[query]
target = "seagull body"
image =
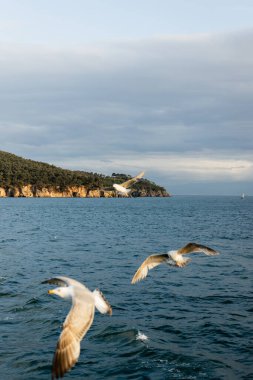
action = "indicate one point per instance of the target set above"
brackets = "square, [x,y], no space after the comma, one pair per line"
[77,322]
[172,258]
[123,188]
[120,189]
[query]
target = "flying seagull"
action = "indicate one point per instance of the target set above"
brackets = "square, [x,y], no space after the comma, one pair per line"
[173,258]
[77,322]
[123,188]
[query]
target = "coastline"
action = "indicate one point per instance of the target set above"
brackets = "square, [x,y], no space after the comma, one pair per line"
[33,191]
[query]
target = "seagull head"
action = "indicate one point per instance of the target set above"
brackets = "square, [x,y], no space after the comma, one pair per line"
[63,292]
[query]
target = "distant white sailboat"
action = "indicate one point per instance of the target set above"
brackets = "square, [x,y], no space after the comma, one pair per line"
[242,196]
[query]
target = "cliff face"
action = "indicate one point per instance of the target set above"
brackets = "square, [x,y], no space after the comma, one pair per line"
[2,192]
[30,191]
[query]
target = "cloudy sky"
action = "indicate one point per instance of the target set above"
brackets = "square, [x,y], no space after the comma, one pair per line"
[164,86]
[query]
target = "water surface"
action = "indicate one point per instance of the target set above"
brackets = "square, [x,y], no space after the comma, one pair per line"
[198,319]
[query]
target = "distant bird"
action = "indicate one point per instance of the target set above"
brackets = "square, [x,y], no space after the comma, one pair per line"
[123,188]
[77,322]
[173,258]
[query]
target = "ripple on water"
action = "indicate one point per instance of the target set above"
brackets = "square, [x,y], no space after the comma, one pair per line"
[198,320]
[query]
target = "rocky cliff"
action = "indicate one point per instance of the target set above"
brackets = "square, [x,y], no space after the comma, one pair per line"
[30,191]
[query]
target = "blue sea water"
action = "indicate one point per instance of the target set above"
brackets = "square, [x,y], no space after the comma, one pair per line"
[198,319]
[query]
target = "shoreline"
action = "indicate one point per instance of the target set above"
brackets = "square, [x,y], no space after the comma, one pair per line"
[32,191]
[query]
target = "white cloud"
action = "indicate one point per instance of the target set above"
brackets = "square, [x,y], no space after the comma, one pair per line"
[172,166]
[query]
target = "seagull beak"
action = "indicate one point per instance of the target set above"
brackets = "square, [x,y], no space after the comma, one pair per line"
[51,291]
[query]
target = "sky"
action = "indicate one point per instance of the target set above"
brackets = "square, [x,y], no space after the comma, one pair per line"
[164,86]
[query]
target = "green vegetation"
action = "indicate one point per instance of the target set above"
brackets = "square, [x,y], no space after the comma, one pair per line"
[17,171]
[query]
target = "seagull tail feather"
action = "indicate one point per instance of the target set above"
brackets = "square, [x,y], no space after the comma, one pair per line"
[101,302]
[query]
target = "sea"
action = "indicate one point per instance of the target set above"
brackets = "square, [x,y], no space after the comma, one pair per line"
[179,323]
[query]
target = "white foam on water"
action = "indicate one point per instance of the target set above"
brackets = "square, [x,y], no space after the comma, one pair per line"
[141,336]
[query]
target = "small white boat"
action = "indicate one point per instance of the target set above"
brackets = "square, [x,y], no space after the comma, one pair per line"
[242,196]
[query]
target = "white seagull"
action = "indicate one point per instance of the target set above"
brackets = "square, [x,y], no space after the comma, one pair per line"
[173,258]
[123,188]
[77,322]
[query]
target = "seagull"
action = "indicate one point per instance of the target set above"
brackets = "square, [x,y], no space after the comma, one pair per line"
[123,187]
[77,322]
[173,258]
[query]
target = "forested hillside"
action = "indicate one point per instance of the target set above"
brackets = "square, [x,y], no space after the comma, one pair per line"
[17,171]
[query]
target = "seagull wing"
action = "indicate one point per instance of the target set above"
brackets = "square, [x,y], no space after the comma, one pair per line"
[65,281]
[194,247]
[56,281]
[150,263]
[76,325]
[132,180]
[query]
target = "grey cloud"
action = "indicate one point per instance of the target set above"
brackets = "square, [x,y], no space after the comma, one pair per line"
[188,94]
